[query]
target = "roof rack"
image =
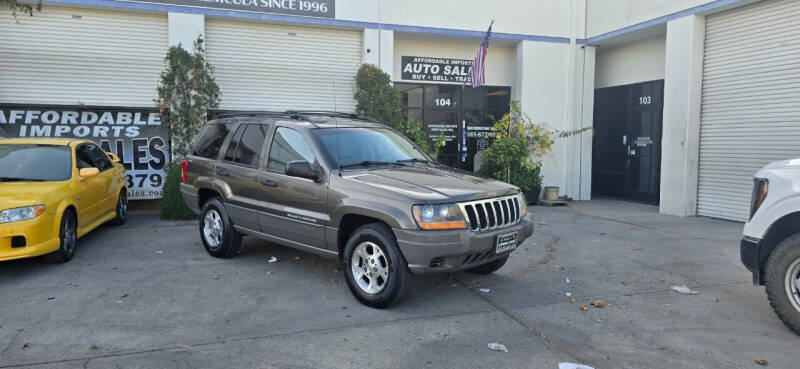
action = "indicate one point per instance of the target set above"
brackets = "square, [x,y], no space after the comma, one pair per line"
[247,113]
[305,113]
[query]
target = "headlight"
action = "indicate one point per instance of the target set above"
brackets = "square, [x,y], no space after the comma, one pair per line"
[20,214]
[523,205]
[446,216]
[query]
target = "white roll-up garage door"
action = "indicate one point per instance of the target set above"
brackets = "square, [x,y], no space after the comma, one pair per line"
[261,66]
[82,56]
[751,102]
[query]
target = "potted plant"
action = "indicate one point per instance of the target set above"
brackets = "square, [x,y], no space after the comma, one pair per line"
[516,154]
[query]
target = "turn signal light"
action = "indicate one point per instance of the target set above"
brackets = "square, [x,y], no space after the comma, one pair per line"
[760,188]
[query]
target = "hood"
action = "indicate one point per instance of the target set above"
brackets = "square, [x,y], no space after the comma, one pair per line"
[17,194]
[434,183]
[783,164]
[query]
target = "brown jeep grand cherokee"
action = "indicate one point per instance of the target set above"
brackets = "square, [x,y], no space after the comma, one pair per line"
[346,187]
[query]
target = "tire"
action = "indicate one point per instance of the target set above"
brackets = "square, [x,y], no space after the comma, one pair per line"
[781,280]
[219,237]
[121,210]
[68,235]
[374,246]
[489,267]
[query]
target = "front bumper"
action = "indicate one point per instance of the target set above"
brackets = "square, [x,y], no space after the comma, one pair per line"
[750,252]
[442,251]
[40,237]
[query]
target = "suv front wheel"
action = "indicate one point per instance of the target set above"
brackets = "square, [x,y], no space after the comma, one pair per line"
[782,280]
[219,237]
[375,270]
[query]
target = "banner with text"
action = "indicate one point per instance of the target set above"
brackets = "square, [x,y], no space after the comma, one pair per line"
[308,8]
[418,68]
[136,135]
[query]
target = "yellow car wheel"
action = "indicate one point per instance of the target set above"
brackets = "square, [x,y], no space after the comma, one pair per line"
[122,209]
[68,234]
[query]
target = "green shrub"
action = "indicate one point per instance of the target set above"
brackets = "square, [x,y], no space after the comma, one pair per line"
[527,177]
[172,206]
[377,98]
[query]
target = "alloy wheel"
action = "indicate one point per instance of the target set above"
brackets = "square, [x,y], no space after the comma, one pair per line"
[68,234]
[370,268]
[212,228]
[122,205]
[792,283]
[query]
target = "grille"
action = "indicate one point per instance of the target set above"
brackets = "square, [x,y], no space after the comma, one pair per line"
[492,213]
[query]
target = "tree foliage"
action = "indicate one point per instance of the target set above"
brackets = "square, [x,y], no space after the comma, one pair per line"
[18,6]
[186,92]
[377,98]
[172,205]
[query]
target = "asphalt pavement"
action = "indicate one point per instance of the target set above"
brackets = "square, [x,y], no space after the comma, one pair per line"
[147,295]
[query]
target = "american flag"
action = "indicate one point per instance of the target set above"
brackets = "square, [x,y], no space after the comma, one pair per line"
[476,74]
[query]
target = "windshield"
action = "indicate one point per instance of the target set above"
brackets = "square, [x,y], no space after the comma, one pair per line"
[366,145]
[34,163]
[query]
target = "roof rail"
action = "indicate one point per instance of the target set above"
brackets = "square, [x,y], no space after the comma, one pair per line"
[303,114]
[246,113]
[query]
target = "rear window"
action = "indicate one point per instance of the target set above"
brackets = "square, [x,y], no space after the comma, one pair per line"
[209,143]
[34,163]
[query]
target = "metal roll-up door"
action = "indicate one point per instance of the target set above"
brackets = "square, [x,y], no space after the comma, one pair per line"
[261,66]
[82,56]
[751,102]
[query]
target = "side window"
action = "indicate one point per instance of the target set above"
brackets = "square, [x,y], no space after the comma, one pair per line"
[234,144]
[249,150]
[83,159]
[288,145]
[209,143]
[89,155]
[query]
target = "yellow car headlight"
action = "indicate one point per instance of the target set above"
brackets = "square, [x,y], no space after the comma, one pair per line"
[20,214]
[444,216]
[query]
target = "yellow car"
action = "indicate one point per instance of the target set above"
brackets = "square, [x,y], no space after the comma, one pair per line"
[53,191]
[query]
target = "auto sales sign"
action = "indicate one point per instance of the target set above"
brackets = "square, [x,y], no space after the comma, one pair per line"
[136,135]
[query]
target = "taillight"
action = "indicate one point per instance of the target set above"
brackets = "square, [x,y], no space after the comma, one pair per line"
[184,166]
[760,188]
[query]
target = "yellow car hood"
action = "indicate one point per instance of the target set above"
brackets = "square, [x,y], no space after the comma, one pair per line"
[16,194]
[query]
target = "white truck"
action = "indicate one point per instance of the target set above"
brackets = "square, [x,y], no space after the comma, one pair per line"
[770,247]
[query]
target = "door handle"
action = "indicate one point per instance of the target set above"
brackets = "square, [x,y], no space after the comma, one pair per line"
[269,182]
[223,172]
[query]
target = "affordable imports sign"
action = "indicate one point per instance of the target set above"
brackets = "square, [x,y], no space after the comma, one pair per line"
[136,135]
[420,68]
[308,8]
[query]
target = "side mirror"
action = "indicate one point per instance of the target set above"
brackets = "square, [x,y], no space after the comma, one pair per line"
[85,173]
[113,157]
[302,169]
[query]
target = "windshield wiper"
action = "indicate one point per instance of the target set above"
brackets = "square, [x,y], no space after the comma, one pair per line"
[413,160]
[17,179]
[367,163]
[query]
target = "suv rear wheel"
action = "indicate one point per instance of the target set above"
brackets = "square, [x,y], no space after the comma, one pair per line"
[783,281]
[375,270]
[219,237]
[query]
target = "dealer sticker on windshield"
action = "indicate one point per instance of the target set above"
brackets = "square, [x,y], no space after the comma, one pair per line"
[506,242]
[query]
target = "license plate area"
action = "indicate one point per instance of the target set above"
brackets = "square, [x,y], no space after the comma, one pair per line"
[505,242]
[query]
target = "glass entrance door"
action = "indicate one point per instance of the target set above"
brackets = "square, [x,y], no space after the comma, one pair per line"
[463,114]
